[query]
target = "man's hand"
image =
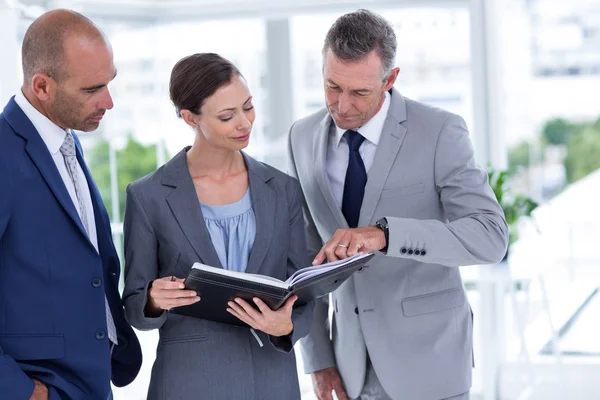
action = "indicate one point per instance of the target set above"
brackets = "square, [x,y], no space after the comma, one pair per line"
[40,391]
[326,381]
[167,293]
[347,242]
[275,323]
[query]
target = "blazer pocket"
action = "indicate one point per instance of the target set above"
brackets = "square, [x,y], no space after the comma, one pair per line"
[33,347]
[432,302]
[184,339]
[402,191]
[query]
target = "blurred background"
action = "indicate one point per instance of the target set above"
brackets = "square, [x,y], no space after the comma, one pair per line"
[525,75]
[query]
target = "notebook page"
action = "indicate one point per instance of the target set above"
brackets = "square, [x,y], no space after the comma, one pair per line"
[309,272]
[263,279]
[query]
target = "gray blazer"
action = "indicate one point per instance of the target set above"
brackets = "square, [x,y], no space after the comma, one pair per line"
[164,235]
[409,309]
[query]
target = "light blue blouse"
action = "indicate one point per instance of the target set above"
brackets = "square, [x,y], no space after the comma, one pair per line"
[232,228]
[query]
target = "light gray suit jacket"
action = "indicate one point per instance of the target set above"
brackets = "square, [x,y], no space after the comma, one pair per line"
[409,309]
[165,234]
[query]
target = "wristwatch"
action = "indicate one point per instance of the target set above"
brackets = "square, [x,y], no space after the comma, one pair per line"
[382,224]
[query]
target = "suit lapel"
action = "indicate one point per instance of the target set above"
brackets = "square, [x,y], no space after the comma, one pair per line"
[41,157]
[321,143]
[103,232]
[392,136]
[264,202]
[185,207]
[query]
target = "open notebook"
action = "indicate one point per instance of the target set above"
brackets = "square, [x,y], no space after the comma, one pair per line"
[217,286]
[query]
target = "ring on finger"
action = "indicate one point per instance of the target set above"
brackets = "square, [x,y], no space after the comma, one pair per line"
[343,245]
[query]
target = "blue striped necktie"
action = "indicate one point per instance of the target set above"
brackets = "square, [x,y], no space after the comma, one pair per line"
[70,155]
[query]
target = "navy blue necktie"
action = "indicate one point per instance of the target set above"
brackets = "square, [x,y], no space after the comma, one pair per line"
[356,179]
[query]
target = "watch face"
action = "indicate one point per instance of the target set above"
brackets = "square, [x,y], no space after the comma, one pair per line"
[382,223]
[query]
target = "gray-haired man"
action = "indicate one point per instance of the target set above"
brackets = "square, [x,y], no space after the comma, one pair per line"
[382,172]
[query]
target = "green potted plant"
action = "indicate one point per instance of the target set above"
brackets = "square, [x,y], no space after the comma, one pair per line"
[515,206]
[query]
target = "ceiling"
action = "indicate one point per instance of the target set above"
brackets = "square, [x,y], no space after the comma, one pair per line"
[178,10]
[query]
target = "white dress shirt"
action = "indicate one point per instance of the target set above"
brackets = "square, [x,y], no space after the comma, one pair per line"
[338,152]
[54,136]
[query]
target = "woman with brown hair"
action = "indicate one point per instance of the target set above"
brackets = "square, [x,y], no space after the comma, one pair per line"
[214,204]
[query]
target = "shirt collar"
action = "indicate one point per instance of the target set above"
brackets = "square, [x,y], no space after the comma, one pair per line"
[52,134]
[371,131]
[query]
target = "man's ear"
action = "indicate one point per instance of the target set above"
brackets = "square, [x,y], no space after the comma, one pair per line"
[42,86]
[391,79]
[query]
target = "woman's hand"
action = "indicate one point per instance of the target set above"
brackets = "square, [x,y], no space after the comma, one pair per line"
[274,323]
[167,293]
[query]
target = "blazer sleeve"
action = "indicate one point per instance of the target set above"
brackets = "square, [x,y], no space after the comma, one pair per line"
[14,383]
[141,264]
[302,316]
[316,347]
[475,231]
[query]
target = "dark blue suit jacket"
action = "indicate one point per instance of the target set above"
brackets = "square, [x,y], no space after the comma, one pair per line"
[52,280]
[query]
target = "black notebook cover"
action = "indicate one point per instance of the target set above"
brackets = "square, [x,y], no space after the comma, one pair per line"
[215,290]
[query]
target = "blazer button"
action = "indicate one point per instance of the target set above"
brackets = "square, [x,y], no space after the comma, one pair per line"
[410,252]
[100,335]
[423,252]
[403,250]
[356,310]
[417,252]
[97,282]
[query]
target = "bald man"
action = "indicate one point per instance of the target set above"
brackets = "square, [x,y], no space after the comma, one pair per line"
[63,334]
